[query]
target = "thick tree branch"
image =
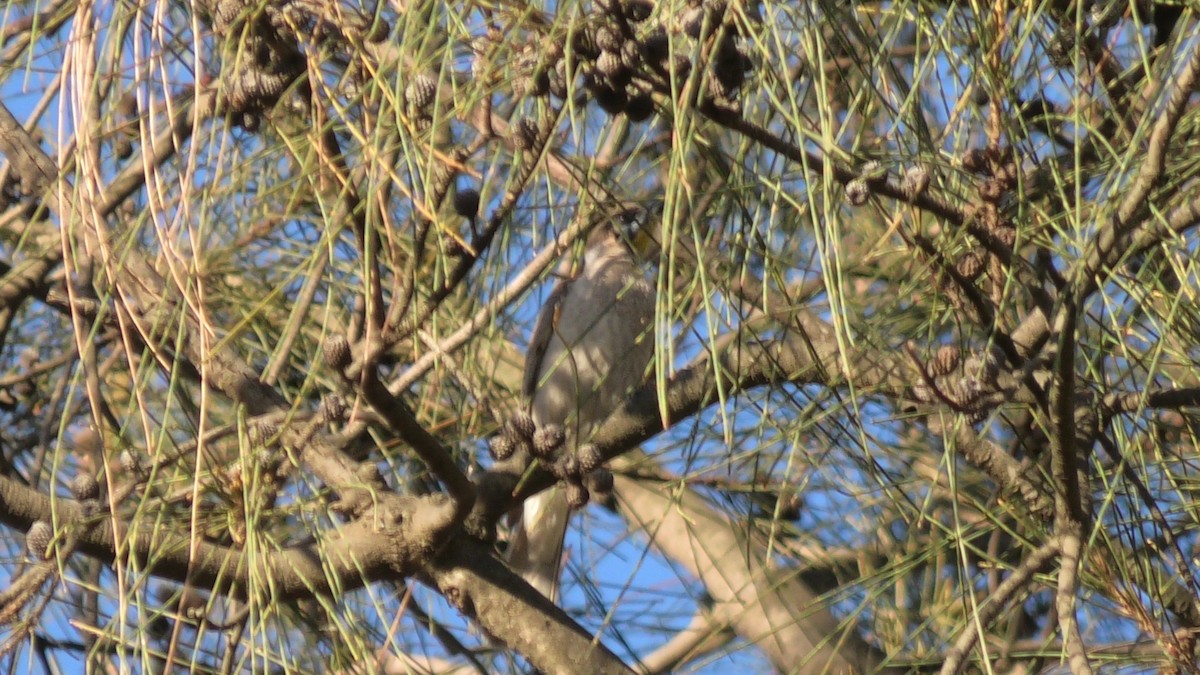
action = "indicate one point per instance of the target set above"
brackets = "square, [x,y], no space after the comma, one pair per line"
[772,608]
[472,579]
[398,540]
[356,554]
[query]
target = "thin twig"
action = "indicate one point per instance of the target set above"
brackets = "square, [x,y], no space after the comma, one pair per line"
[519,284]
[704,634]
[1004,594]
[436,456]
[1107,244]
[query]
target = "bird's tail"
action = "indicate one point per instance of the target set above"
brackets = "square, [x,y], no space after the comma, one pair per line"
[536,547]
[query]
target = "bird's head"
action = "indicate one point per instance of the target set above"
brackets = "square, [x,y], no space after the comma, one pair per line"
[631,228]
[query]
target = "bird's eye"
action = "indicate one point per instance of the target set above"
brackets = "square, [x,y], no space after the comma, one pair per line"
[630,222]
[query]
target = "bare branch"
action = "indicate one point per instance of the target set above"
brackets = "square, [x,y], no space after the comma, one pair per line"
[436,456]
[704,634]
[1003,595]
[357,554]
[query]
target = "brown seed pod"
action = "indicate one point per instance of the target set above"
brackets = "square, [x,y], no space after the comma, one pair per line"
[609,64]
[640,107]
[1035,109]
[577,495]
[987,214]
[944,360]
[970,266]
[369,473]
[916,181]
[715,9]
[746,59]
[609,39]
[590,458]
[601,482]
[680,66]
[480,63]
[975,161]
[334,408]
[127,105]
[123,148]
[466,202]
[714,87]
[608,6]
[526,134]
[583,42]
[378,31]
[521,427]
[922,393]
[987,365]
[250,121]
[261,433]
[873,172]
[538,83]
[656,45]
[609,98]
[857,192]
[693,22]
[502,446]
[558,81]
[638,11]
[1060,48]
[87,441]
[548,439]
[1006,234]
[728,66]
[728,106]
[38,538]
[631,55]
[567,467]
[421,92]
[732,74]
[790,505]
[991,191]
[131,463]
[84,486]
[1008,173]
[336,350]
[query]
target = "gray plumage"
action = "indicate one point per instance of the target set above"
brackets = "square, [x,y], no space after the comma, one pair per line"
[591,345]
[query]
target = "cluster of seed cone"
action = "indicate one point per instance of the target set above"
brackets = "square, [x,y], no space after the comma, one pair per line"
[622,53]
[579,471]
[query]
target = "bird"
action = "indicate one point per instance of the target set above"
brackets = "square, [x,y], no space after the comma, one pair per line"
[591,345]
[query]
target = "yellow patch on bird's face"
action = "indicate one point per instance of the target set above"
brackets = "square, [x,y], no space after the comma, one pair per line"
[638,228]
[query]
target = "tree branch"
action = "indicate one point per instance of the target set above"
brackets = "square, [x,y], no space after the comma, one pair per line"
[358,553]
[997,601]
[436,456]
[774,609]
[473,580]
[704,634]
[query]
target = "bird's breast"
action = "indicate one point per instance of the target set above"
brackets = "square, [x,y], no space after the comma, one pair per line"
[601,347]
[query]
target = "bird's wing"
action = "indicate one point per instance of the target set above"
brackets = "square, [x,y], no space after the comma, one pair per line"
[543,330]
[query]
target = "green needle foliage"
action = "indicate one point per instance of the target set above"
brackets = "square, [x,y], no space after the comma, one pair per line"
[925,385]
